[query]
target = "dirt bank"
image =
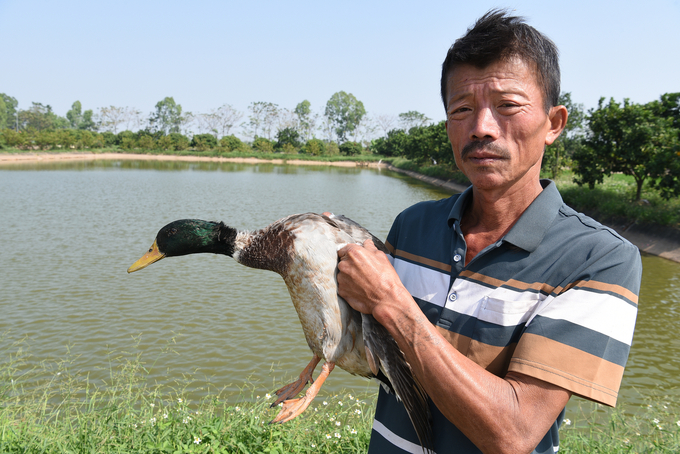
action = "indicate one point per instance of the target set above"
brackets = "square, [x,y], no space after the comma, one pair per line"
[57,157]
[660,241]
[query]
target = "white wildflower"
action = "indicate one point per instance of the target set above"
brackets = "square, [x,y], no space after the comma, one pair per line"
[337,435]
[197,440]
[328,436]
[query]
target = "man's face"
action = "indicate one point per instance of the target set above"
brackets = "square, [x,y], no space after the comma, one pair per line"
[497,124]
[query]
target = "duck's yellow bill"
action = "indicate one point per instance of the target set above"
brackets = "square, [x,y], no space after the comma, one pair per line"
[147,259]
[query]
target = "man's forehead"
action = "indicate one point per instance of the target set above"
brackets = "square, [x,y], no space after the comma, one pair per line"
[502,75]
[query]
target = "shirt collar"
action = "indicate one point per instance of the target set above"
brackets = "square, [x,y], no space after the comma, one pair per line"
[532,225]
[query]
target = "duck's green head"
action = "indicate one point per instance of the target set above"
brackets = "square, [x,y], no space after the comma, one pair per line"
[188,236]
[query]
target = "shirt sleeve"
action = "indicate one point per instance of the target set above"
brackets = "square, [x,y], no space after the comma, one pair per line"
[579,337]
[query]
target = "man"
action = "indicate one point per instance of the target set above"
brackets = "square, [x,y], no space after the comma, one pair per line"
[504,300]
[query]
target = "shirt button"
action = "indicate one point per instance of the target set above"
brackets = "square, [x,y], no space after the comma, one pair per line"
[457,257]
[453,296]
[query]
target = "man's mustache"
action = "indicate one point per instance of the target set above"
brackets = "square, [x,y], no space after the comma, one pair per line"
[487,147]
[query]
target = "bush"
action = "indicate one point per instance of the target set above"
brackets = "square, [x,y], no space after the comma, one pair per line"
[351,149]
[110,139]
[263,145]
[288,136]
[203,142]
[179,141]
[230,143]
[315,147]
[146,142]
[13,138]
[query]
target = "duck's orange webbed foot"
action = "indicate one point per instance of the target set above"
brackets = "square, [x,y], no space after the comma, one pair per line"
[293,389]
[294,407]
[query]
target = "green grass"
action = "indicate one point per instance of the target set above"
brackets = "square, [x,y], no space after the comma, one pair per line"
[613,201]
[47,408]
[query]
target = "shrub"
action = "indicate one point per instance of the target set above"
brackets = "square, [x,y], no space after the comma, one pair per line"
[146,142]
[110,139]
[263,145]
[288,136]
[13,138]
[230,143]
[179,141]
[203,142]
[315,147]
[351,149]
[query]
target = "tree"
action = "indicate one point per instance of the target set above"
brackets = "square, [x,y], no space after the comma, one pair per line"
[168,117]
[306,120]
[228,117]
[569,141]
[262,118]
[3,114]
[10,110]
[75,114]
[112,117]
[40,117]
[344,113]
[412,119]
[288,138]
[386,122]
[630,139]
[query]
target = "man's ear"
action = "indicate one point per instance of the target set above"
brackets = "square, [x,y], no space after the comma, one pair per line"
[558,121]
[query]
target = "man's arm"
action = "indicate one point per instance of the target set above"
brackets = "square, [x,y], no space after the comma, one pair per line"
[510,414]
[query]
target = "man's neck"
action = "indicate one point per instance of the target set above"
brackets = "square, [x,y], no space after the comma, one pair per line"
[492,214]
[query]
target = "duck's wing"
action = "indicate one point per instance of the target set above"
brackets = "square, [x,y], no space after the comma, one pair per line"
[384,355]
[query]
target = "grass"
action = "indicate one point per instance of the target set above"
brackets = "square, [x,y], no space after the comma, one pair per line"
[50,409]
[613,201]
[654,428]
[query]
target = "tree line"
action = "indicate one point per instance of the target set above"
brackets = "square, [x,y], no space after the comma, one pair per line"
[640,140]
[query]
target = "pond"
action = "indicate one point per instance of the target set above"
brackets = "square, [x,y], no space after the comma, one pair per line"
[70,230]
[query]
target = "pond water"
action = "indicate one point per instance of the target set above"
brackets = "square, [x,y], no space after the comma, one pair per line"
[68,232]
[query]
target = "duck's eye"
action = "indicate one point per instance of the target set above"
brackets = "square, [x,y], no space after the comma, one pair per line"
[173,231]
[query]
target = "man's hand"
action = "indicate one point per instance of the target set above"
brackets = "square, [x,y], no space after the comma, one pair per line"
[366,278]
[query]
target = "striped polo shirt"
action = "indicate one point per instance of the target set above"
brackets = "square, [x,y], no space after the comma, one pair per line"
[555,299]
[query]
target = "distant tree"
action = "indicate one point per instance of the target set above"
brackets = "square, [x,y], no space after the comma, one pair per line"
[288,136]
[386,122]
[263,144]
[203,142]
[262,118]
[75,115]
[10,110]
[315,147]
[429,144]
[350,148]
[344,113]
[110,118]
[40,117]
[179,141]
[569,141]
[392,145]
[168,117]
[306,120]
[412,119]
[230,143]
[228,117]
[630,139]
[3,114]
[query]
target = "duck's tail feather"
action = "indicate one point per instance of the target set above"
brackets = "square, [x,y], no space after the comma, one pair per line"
[389,358]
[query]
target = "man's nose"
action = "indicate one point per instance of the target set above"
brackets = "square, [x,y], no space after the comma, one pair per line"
[484,125]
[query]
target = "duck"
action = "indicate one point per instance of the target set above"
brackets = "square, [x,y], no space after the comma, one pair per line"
[302,249]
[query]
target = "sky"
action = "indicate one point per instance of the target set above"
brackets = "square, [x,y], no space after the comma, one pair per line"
[207,53]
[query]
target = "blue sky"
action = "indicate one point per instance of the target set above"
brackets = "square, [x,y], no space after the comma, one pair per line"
[208,53]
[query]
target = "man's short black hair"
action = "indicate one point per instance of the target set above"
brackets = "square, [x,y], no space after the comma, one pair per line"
[498,36]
